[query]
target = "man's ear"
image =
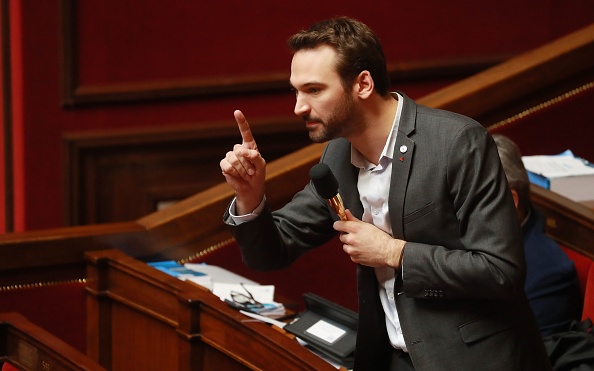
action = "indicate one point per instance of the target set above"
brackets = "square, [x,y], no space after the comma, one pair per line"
[364,85]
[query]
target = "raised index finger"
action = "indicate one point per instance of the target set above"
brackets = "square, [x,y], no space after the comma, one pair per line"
[244,129]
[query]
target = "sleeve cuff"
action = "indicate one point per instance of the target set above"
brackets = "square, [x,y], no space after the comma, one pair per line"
[239,219]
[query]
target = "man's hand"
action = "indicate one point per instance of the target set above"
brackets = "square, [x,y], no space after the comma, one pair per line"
[368,245]
[244,169]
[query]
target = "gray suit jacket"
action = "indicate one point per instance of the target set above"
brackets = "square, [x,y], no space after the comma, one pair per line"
[462,305]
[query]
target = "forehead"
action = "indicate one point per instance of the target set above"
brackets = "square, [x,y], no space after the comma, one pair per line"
[314,65]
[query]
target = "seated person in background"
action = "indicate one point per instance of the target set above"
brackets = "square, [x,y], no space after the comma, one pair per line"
[551,282]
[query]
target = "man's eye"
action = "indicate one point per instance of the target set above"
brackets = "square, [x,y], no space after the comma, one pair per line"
[314,90]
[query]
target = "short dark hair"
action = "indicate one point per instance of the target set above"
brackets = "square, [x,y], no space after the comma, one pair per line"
[358,49]
[515,172]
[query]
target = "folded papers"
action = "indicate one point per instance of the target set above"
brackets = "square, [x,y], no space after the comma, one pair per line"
[222,283]
[565,174]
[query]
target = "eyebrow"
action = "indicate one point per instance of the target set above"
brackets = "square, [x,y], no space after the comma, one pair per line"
[308,84]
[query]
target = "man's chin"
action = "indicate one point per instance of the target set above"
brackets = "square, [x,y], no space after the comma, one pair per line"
[317,137]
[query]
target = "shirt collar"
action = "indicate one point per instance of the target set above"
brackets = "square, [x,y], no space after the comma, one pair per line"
[357,158]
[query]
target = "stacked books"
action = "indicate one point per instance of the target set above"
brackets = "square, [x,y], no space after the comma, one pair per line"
[565,174]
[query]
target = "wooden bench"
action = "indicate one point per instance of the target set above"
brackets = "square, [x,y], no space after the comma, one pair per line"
[585,273]
[572,225]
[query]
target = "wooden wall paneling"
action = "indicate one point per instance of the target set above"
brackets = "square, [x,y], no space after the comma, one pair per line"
[75,93]
[105,81]
[68,61]
[119,176]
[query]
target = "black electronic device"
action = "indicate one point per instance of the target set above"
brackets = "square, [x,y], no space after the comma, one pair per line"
[328,328]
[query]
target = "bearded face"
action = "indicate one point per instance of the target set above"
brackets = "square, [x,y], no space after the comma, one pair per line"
[341,121]
[322,101]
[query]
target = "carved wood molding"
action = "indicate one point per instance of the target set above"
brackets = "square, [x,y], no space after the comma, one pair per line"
[122,175]
[74,94]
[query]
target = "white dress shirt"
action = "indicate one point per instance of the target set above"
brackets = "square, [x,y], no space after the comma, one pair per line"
[374,187]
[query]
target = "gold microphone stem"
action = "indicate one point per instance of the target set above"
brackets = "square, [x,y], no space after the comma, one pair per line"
[336,203]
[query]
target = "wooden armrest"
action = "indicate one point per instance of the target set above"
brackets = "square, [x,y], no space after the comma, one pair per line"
[29,347]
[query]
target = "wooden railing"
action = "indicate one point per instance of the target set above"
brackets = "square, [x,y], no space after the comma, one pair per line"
[26,346]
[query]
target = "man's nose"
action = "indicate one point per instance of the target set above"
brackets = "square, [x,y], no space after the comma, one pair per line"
[301,106]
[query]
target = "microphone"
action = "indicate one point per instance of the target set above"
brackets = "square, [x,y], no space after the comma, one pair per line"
[326,185]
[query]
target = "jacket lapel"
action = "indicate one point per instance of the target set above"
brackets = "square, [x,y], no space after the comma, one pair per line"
[349,190]
[401,164]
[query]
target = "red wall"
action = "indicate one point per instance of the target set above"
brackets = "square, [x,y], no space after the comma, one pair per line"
[125,43]
[2,142]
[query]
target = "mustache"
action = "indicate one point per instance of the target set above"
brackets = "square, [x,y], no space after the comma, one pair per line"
[309,118]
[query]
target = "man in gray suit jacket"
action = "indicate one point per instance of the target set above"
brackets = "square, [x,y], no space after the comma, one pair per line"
[430,222]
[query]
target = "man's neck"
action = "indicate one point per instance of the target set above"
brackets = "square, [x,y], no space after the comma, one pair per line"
[379,117]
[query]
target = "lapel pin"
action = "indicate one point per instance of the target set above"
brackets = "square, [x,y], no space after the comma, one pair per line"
[403,149]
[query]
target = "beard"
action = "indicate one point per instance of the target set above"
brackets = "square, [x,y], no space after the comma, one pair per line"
[343,121]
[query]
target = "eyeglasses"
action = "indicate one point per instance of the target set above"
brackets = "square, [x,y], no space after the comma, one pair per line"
[246,301]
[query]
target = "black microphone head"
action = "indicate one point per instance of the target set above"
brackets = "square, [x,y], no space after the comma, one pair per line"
[324,181]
